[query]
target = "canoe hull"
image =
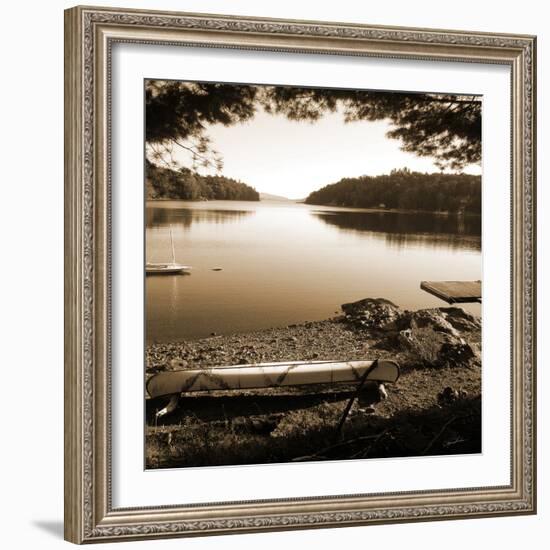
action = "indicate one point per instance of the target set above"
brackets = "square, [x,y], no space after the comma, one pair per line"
[269,375]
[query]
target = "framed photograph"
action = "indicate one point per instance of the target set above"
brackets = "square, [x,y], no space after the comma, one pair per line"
[300,274]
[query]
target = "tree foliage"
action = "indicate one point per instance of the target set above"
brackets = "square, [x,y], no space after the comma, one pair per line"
[178,113]
[404,189]
[445,127]
[184,184]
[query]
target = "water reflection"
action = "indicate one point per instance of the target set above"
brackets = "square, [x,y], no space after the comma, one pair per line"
[410,229]
[258,265]
[184,217]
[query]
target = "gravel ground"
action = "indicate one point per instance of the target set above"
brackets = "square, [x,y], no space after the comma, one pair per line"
[330,339]
[434,408]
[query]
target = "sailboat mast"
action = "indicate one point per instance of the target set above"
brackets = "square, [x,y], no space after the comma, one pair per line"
[172,243]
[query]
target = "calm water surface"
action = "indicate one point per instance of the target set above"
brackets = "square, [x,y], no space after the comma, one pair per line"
[284,263]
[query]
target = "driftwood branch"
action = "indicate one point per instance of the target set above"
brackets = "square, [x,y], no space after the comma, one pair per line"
[364,452]
[443,428]
[440,433]
[321,454]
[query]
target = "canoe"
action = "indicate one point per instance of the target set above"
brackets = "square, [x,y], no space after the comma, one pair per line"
[269,375]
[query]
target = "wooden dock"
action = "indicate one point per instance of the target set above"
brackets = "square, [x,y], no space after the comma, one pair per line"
[454,292]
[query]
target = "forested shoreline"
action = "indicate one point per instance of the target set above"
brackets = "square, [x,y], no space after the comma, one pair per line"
[401,190]
[185,184]
[404,190]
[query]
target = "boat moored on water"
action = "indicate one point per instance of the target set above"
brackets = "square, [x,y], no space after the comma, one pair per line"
[159,269]
[167,268]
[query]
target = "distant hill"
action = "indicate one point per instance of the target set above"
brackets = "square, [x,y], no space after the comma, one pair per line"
[270,197]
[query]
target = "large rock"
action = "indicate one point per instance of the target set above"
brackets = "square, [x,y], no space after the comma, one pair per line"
[434,337]
[373,313]
[461,319]
[440,337]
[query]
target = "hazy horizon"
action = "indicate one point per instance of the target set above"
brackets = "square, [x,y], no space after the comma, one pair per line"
[293,158]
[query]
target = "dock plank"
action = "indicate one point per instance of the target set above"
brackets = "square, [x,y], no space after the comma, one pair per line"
[454,291]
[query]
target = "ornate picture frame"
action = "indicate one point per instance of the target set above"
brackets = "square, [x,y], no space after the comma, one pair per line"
[90,34]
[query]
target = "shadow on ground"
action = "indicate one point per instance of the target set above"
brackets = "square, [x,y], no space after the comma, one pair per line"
[229,405]
[309,433]
[52,527]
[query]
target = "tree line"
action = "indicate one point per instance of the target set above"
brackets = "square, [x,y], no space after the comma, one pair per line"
[404,189]
[185,184]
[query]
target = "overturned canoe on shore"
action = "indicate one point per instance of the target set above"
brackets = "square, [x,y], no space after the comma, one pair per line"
[267,375]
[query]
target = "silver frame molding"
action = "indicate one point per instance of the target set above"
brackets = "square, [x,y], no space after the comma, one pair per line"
[89,35]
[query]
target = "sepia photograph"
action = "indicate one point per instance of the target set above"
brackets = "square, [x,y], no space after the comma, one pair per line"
[313,274]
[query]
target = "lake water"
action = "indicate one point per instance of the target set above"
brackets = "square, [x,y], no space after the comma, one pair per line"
[279,263]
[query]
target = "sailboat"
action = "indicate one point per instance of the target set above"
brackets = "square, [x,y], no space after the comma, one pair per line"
[167,268]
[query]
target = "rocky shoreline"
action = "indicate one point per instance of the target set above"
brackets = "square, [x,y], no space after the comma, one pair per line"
[438,350]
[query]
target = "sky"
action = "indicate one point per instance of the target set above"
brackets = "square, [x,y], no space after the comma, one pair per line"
[292,159]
